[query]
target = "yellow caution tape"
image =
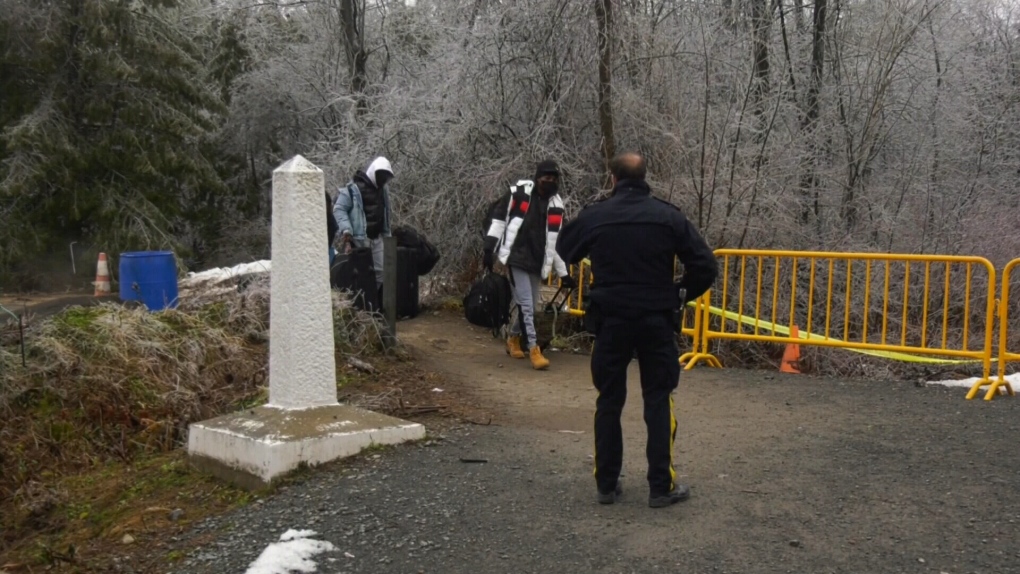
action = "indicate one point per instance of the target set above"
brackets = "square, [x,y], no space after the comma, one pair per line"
[783,330]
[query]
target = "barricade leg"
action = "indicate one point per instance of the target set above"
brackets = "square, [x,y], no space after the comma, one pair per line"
[700,340]
[996,387]
[1000,385]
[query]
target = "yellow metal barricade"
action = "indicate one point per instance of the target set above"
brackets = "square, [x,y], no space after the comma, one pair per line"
[893,305]
[575,305]
[691,325]
[1005,344]
[694,326]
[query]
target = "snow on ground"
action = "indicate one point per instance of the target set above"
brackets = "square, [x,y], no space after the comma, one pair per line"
[293,553]
[203,280]
[1013,380]
[221,274]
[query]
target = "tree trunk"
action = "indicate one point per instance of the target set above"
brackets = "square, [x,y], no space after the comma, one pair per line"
[352,15]
[933,175]
[604,16]
[798,15]
[761,23]
[809,179]
[74,65]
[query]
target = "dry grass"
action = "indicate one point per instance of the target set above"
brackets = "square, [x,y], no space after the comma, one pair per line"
[110,384]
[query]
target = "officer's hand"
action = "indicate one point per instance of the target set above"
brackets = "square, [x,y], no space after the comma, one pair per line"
[568,282]
[487,259]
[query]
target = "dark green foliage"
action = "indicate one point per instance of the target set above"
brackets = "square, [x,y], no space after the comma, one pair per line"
[106,119]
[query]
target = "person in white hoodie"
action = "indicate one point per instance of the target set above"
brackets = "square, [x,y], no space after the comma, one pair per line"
[362,212]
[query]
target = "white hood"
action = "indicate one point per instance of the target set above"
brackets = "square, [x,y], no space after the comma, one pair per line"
[378,164]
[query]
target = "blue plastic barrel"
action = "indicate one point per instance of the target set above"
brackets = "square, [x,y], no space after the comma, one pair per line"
[149,277]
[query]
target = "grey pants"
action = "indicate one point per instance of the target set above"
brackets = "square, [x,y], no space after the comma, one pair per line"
[528,296]
[377,257]
[377,260]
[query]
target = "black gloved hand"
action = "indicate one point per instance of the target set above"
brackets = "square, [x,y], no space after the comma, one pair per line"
[568,282]
[487,259]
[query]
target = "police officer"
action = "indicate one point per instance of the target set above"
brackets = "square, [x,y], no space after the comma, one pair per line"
[631,239]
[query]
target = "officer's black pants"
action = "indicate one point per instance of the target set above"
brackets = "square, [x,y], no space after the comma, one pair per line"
[654,338]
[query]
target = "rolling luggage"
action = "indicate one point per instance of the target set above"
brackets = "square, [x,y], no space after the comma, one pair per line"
[407,283]
[353,272]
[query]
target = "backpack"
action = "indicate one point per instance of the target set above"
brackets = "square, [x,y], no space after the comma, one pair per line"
[487,303]
[495,210]
[425,254]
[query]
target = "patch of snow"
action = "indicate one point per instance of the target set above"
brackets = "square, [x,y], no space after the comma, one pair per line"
[1013,380]
[220,274]
[293,553]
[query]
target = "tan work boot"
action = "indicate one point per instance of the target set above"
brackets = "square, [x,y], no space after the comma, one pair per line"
[537,360]
[513,347]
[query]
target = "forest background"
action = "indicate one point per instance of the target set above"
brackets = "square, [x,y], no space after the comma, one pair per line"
[847,125]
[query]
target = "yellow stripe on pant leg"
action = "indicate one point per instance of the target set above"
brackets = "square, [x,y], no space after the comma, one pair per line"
[672,437]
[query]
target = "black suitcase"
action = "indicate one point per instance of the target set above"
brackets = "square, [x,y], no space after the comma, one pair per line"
[355,273]
[407,283]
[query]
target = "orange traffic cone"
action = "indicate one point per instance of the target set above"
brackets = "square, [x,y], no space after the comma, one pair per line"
[102,277]
[792,353]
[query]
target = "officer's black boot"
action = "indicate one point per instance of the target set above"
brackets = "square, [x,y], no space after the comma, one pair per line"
[680,493]
[611,496]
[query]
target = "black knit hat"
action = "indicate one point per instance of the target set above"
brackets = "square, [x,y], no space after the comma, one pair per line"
[547,166]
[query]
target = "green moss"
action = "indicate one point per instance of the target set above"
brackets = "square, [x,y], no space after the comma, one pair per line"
[214,314]
[79,318]
[259,398]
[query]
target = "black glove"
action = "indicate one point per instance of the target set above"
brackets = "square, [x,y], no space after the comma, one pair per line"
[568,282]
[487,259]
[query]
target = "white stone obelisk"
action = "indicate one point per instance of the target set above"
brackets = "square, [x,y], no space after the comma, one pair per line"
[302,423]
[302,368]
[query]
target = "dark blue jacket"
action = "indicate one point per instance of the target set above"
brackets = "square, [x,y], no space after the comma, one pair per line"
[631,239]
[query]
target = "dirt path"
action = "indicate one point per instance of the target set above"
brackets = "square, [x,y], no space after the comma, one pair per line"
[816,473]
[46,304]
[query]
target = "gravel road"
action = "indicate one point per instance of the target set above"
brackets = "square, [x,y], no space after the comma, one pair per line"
[789,474]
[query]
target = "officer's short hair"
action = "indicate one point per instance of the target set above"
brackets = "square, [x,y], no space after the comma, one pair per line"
[628,165]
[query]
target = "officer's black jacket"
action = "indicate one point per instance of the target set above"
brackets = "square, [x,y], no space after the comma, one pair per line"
[631,239]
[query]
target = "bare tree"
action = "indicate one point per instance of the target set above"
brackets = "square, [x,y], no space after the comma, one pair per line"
[809,179]
[352,16]
[604,16]
[877,124]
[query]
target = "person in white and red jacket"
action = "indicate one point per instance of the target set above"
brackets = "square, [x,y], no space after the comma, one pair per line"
[524,240]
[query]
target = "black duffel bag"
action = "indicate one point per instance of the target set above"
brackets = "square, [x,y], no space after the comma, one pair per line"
[487,303]
[425,254]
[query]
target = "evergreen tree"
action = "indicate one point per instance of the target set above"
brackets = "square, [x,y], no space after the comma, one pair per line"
[113,149]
